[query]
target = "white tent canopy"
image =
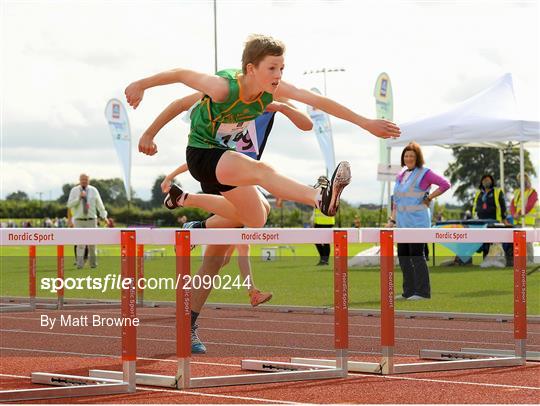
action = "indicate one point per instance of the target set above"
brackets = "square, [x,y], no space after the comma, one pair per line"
[490,118]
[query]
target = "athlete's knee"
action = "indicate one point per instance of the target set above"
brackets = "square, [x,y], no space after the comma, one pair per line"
[257,220]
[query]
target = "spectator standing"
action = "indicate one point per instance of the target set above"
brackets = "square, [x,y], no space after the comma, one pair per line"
[489,204]
[412,200]
[85,203]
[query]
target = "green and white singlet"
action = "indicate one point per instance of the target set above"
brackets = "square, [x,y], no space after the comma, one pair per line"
[221,125]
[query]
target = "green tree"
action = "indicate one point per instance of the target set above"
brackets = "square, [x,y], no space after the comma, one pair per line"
[19,195]
[111,190]
[471,163]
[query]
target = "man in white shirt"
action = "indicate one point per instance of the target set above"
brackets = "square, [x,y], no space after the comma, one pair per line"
[84,201]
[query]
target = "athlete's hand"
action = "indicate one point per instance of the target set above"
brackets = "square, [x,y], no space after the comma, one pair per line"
[134,94]
[147,145]
[166,185]
[383,129]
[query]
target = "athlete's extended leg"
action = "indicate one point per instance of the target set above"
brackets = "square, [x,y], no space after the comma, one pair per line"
[237,169]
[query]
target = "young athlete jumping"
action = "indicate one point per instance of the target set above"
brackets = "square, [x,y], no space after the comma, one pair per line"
[216,257]
[231,99]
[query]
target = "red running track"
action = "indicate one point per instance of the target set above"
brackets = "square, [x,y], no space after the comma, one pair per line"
[233,335]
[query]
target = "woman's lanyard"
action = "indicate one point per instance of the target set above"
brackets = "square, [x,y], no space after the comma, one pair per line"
[484,200]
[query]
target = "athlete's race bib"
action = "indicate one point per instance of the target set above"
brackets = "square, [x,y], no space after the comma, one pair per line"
[239,136]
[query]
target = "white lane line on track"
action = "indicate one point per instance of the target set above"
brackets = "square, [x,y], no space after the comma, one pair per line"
[407,378]
[176,392]
[285,402]
[206,342]
[404,378]
[88,355]
[430,340]
[510,331]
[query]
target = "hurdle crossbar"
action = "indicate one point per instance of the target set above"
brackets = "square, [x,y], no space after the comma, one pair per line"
[459,359]
[67,386]
[272,371]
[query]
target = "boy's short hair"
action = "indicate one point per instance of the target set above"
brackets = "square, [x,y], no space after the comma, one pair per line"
[257,47]
[414,147]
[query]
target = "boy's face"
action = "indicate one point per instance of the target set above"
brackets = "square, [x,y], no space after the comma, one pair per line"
[268,73]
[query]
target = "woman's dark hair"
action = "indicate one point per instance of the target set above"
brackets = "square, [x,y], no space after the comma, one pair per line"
[484,177]
[414,147]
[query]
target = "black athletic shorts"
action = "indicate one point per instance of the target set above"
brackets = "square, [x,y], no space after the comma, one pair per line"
[202,163]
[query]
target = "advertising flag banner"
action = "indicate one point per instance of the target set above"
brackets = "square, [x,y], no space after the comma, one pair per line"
[384,105]
[118,121]
[323,131]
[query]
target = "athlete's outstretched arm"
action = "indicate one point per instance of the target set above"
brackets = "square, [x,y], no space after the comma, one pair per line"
[146,142]
[166,184]
[379,128]
[298,118]
[214,86]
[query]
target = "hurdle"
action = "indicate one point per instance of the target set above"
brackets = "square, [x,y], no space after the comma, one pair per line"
[269,371]
[446,360]
[73,385]
[7,306]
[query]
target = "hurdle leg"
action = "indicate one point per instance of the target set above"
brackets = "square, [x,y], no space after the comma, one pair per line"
[183,309]
[32,276]
[129,308]
[387,301]
[341,301]
[60,274]
[140,274]
[520,294]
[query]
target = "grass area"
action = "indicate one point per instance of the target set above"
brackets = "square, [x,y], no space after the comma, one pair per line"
[294,279]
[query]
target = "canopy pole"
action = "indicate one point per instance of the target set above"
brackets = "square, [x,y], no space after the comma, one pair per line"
[501,168]
[522,181]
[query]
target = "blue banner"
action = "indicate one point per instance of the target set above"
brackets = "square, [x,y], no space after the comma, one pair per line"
[323,131]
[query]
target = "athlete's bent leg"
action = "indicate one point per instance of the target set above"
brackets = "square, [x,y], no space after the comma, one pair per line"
[237,169]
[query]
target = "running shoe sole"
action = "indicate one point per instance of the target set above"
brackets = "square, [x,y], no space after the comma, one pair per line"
[341,178]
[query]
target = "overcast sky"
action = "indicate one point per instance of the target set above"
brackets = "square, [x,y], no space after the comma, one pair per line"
[63,60]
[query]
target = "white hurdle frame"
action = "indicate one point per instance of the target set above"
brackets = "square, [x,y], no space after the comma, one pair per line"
[274,371]
[448,360]
[67,386]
